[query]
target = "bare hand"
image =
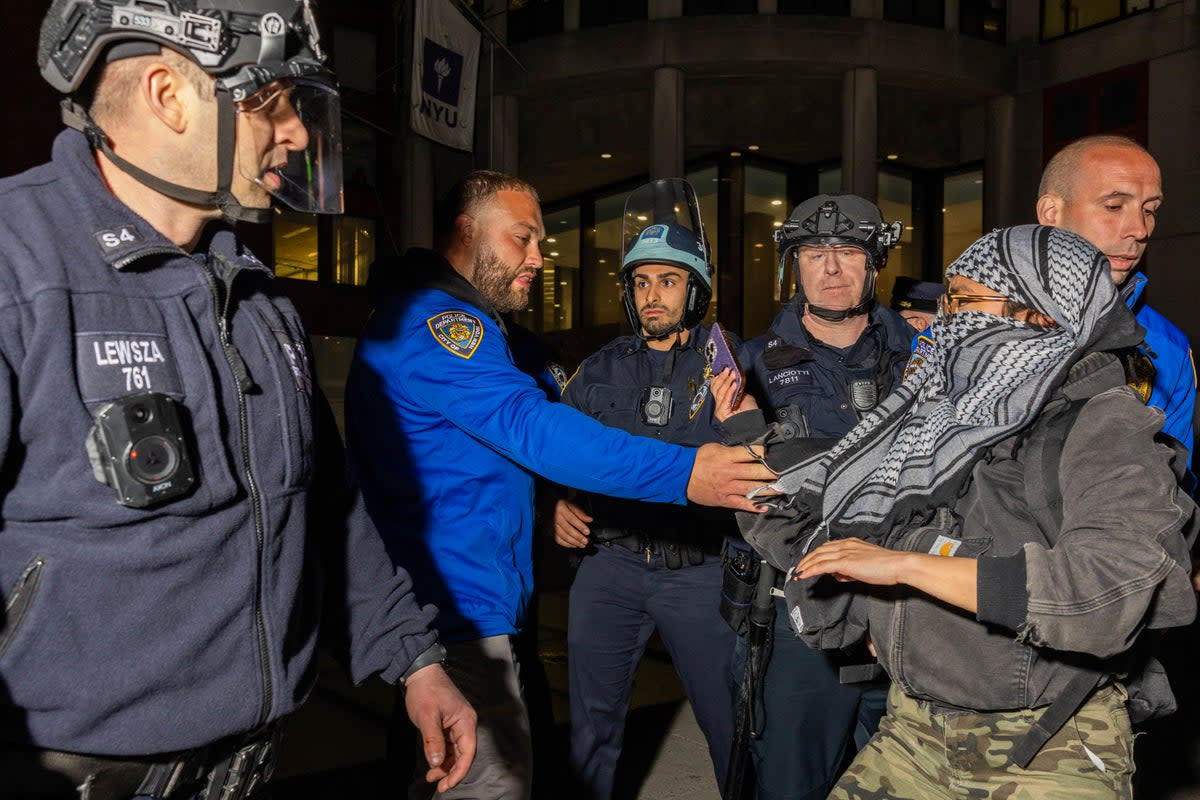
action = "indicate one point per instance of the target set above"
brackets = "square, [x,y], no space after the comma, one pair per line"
[723,476]
[853,560]
[446,723]
[570,524]
[723,388]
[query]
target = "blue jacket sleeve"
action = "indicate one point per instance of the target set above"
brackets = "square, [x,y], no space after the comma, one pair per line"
[496,403]
[1179,401]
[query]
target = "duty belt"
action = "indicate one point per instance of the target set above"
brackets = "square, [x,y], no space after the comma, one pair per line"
[229,769]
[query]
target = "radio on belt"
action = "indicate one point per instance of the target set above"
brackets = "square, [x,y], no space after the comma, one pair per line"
[139,446]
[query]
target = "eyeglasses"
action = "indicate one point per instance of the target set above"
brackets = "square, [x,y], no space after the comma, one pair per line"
[952,300]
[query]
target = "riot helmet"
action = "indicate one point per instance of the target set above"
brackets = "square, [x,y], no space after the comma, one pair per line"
[266,58]
[662,226]
[836,220]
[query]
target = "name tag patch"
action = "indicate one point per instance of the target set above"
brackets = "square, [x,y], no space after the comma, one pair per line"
[117,239]
[114,364]
[457,331]
[789,377]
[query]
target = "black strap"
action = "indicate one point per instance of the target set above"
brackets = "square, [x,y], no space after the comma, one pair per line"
[1072,698]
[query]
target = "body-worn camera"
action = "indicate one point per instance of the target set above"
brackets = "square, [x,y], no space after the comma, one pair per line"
[138,447]
[657,406]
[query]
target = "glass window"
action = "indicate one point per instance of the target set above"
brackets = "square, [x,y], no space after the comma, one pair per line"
[359,152]
[695,8]
[559,288]
[962,213]
[592,14]
[705,182]
[827,8]
[603,304]
[353,249]
[931,13]
[354,58]
[765,210]
[896,201]
[1061,17]
[295,240]
[528,19]
[334,354]
[982,18]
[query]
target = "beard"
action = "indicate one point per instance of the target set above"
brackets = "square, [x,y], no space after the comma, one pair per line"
[494,280]
[662,324]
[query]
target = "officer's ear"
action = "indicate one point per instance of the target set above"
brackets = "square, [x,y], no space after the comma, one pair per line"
[1049,209]
[167,93]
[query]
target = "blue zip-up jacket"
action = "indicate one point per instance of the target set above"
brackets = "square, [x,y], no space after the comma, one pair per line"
[446,432]
[1174,388]
[138,631]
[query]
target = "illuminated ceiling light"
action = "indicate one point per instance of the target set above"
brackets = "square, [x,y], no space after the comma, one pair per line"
[562,283]
[554,253]
[558,305]
[908,227]
[979,180]
[943,211]
[752,148]
[562,222]
[611,274]
[735,153]
[777,224]
[776,202]
[606,155]
[892,156]
[643,217]
[758,244]
[551,240]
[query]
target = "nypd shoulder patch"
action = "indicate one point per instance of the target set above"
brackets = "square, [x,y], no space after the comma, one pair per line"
[457,331]
[920,354]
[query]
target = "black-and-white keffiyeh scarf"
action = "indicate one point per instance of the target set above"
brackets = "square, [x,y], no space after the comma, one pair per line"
[987,377]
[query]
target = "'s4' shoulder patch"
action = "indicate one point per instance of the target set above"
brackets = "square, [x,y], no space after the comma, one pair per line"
[457,331]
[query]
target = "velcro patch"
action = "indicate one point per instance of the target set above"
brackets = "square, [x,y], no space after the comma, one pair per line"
[457,331]
[944,546]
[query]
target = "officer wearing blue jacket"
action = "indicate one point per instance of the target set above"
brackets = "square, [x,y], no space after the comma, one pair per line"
[830,356]
[446,434]
[1108,189]
[650,565]
[175,515]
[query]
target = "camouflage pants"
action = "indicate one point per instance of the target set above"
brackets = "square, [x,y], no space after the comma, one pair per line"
[922,754]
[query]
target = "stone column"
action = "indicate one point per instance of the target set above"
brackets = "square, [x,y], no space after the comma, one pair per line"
[950,15]
[416,199]
[571,15]
[664,9]
[666,125]
[768,6]
[1001,205]
[860,135]
[866,9]
[503,151]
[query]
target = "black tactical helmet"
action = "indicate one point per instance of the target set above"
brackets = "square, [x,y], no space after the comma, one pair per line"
[837,219]
[245,44]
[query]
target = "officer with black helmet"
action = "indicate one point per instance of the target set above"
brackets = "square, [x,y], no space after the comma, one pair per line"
[649,565]
[831,354]
[175,511]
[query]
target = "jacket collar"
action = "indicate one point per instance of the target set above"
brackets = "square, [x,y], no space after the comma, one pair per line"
[122,237]
[421,268]
[1131,292]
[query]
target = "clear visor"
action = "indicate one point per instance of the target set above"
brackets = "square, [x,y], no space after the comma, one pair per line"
[787,278]
[666,201]
[290,144]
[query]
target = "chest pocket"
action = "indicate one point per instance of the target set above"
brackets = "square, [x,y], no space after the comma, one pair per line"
[615,406]
[126,345]
[286,381]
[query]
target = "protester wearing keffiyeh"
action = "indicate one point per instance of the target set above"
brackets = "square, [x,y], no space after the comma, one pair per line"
[987,377]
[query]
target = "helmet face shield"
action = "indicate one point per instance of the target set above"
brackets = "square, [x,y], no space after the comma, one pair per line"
[290,144]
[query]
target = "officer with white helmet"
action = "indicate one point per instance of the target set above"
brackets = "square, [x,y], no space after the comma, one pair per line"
[175,512]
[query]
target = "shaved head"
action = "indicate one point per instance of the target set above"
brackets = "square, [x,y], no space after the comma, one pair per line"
[1061,172]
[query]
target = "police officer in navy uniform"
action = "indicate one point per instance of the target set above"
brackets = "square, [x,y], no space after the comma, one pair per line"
[178,530]
[648,565]
[831,354]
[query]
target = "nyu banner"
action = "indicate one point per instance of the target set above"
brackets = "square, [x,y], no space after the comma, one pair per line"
[445,70]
